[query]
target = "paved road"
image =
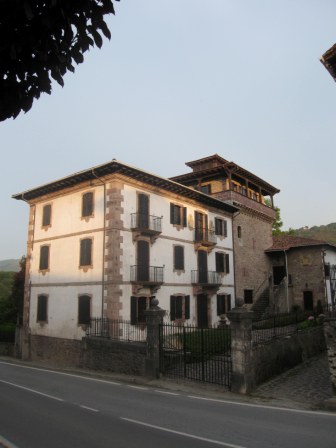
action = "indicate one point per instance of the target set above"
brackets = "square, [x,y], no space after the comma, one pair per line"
[47,409]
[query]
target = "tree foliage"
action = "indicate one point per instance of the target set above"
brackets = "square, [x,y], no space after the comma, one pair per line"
[41,40]
[277,224]
[11,308]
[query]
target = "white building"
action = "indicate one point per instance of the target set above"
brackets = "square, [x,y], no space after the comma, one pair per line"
[103,241]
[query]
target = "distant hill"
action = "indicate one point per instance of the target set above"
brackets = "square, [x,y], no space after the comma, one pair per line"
[323,233]
[11,265]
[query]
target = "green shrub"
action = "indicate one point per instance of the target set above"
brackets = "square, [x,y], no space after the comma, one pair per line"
[7,332]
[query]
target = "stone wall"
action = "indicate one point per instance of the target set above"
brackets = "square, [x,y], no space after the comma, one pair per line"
[114,356]
[56,351]
[252,266]
[273,358]
[7,349]
[305,265]
[330,336]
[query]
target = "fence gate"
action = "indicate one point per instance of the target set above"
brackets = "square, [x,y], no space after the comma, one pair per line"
[198,354]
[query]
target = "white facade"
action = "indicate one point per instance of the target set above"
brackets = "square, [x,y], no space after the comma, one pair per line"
[107,280]
[330,278]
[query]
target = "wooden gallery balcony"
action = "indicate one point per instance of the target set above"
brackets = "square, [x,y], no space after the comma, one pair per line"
[206,279]
[144,224]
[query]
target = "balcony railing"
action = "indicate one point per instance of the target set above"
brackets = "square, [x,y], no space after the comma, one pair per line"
[146,223]
[206,278]
[147,274]
[205,236]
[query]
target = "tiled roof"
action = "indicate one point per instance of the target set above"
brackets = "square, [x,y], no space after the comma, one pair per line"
[329,61]
[286,242]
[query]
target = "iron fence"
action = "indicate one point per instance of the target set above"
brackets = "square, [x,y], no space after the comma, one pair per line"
[144,221]
[147,274]
[198,354]
[281,325]
[116,329]
[206,277]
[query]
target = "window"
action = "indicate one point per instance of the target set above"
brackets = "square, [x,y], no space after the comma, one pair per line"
[327,270]
[178,215]
[42,303]
[248,295]
[179,258]
[223,303]
[87,204]
[46,217]
[206,189]
[44,258]
[138,307]
[222,262]
[221,227]
[85,252]
[179,307]
[84,310]
[239,232]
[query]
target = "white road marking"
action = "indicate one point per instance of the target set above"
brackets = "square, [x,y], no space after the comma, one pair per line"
[88,408]
[62,373]
[262,406]
[137,387]
[166,392]
[184,434]
[32,390]
[6,443]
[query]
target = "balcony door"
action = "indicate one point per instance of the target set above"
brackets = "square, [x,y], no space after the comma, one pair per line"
[201,225]
[142,261]
[202,262]
[143,211]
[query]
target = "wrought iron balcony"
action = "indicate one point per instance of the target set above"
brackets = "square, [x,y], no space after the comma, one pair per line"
[147,275]
[205,236]
[206,278]
[146,224]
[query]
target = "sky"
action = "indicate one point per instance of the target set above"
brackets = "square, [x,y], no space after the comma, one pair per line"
[182,80]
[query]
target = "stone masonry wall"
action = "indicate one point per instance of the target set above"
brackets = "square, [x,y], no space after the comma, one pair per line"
[57,351]
[114,356]
[271,359]
[90,353]
[330,336]
[306,269]
[252,266]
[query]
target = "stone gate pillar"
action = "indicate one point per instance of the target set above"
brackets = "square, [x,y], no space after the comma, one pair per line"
[243,378]
[154,318]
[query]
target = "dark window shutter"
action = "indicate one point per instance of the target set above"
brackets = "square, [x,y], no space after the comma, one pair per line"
[217,226]
[84,310]
[225,228]
[187,307]
[179,257]
[85,252]
[228,298]
[42,308]
[227,263]
[87,204]
[219,262]
[184,221]
[178,307]
[172,307]
[172,213]
[219,305]
[142,306]
[46,218]
[44,257]
[134,311]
